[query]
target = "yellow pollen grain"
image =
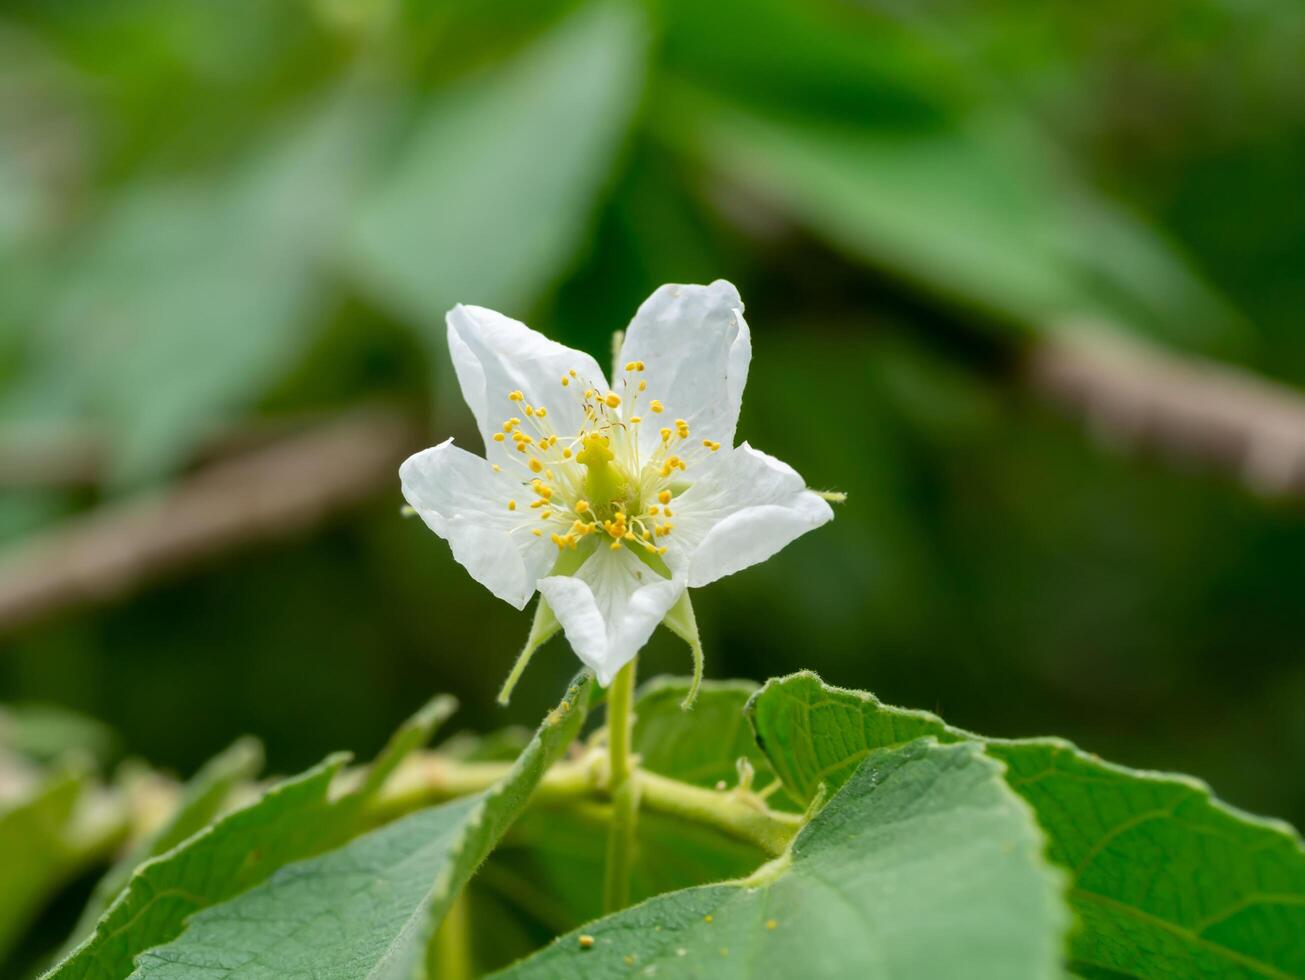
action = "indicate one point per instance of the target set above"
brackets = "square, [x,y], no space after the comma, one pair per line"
[664,496]
[707,918]
[586,942]
[657,406]
[771,923]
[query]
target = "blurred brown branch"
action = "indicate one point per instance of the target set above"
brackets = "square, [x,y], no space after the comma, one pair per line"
[278,489]
[1136,395]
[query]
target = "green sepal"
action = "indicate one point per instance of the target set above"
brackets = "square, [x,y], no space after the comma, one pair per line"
[682,622]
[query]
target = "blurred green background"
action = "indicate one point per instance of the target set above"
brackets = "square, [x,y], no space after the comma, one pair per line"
[222,225]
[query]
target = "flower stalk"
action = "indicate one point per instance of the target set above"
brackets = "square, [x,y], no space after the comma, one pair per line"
[624,790]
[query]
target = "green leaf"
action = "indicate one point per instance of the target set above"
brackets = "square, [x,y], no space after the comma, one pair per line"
[192,297]
[973,212]
[1166,880]
[37,860]
[703,744]
[204,797]
[923,865]
[294,819]
[371,907]
[489,199]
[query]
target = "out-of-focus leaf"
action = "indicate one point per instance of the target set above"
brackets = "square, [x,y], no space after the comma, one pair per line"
[1166,881]
[193,296]
[487,201]
[702,745]
[925,864]
[36,856]
[45,732]
[203,799]
[294,819]
[370,908]
[972,212]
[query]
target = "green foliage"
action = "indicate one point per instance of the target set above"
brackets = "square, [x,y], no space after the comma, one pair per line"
[371,907]
[924,864]
[924,850]
[292,820]
[1166,881]
[205,796]
[703,744]
[34,840]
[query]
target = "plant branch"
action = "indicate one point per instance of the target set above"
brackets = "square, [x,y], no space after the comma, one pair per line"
[428,778]
[276,490]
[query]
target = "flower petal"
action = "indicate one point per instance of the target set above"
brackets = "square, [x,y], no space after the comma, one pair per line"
[464,501]
[610,608]
[740,510]
[495,355]
[696,348]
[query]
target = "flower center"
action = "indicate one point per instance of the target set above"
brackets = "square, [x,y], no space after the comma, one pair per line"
[597,481]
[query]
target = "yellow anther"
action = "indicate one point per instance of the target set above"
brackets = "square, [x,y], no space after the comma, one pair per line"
[535,465]
[566,454]
[541,412]
[643,385]
[667,512]
[616,545]
[545,515]
[657,406]
[511,424]
[662,550]
[713,446]
[521,447]
[496,467]
[499,437]
[666,435]
[571,372]
[515,396]
[652,511]
[565,381]
[512,505]
[620,516]
[557,539]
[664,496]
[631,365]
[582,506]
[636,419]
[537,532]
[612,399]
[537,504]
[530,410]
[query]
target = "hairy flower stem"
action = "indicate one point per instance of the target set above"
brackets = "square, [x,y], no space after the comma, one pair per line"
[624,790]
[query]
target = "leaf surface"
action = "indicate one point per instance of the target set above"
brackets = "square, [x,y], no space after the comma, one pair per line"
[924,864]
[296,818]
[370,908]
[1166,880]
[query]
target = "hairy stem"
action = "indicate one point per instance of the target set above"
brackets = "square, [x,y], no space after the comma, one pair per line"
[624,790]
[429,778]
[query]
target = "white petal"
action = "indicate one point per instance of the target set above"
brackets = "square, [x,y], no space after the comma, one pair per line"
[696,347]
[742,508]
[610,607]
[464,501]
[494,355]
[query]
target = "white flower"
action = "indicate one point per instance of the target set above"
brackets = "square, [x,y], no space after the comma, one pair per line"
[610,499]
